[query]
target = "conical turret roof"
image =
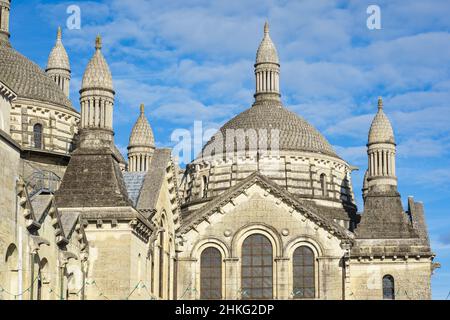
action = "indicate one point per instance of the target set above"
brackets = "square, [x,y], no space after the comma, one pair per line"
[142,133]
[267,53]
[381,129]
[97,74]
[58,58]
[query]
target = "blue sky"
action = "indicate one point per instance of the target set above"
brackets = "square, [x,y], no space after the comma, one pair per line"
[193,60]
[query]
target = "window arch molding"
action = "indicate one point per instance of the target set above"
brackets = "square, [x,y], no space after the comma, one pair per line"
[210,242]
[314,245]
[196,254]
[246,231]
[277,249]
[316,248]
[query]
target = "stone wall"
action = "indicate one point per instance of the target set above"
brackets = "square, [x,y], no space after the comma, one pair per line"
[257,211]
[411,278]
[59,125]
[8,229]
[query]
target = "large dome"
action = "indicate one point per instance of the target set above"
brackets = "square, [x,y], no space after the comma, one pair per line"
[27,79]
[295,134]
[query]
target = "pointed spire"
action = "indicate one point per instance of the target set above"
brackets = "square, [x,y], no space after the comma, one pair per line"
[98,42]
[58,58]
[141,144]
[58,65]
[266,28]
[381,151]
[381,129]
[267,69]
[59,34]
[97,73]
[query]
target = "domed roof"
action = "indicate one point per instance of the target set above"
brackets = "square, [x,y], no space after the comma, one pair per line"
[27,79]
[142,133]
[97,74]
[295,134]
[58,58]
[381,129]
[267,53]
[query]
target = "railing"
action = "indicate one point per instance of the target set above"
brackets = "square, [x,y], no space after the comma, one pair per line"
[42,181]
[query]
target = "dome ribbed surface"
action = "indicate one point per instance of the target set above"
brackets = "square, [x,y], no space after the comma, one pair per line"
[381,129]
[97,74]
[267,53]
[27,79]
[58,58]
[142,133]
[295,133]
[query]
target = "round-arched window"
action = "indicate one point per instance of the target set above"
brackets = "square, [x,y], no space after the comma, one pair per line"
[211,274]
[37,135]
[303,273]
[388,287]
[257,268]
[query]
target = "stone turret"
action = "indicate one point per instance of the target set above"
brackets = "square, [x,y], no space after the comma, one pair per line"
[381,153]
[93,177]
[5,7]
[267,69]
[97,101]
[58,66]
[141,145]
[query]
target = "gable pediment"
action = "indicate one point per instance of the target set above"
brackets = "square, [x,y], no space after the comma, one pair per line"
[270,196]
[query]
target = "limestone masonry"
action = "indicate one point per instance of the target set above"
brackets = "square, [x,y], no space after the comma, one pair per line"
[241,221]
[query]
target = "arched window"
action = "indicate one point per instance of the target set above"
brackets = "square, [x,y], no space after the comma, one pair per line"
[257,268]
[323,184]
[388,288]
[211,274]
[161,260]
[12,263]
[303,273]
[37,135]
[204,187]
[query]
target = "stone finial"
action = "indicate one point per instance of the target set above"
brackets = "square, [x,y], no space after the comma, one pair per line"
[380,103]
[59,34]
[142,107]
[266,28]
[98,42]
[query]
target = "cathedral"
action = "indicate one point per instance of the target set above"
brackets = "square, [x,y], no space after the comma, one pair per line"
[265,211]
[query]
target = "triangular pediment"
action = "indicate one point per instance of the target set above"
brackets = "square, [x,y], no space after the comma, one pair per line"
[222,203]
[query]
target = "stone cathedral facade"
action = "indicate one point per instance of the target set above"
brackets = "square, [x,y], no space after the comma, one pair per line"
[241,221]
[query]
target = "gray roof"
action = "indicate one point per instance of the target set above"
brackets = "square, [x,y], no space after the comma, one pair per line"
[384,217]
[27,79]
[118,154]
[294,132]
[92,179]
[153,180]
[133,183]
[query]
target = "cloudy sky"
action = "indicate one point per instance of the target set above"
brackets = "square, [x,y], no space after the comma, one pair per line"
[193,60]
